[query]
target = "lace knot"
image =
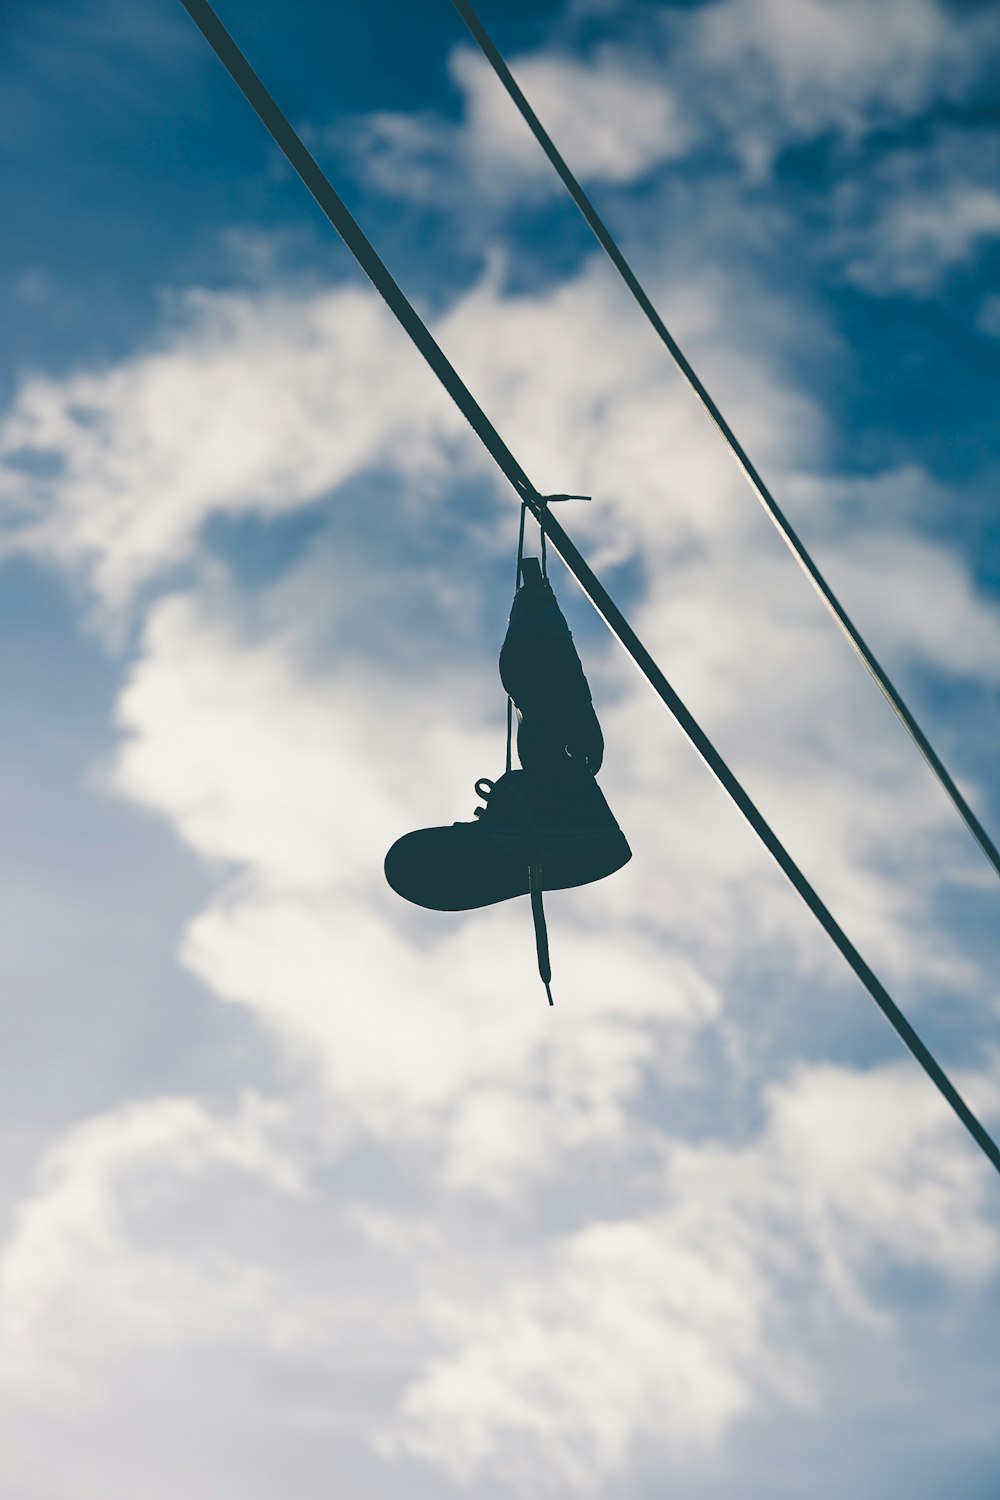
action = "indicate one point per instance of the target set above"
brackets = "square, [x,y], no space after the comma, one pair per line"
[483,781]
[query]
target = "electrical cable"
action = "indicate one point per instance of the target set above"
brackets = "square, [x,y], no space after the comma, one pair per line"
[285,136]
[783,526]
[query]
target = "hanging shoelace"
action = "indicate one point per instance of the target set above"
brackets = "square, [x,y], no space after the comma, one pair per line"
[535,893]
[483,789]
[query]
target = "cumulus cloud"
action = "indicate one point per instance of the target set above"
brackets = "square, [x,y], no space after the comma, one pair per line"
[760,665]
[667,1328]
[622,119]
[247,751]
[779,73]
[293,782]
[251,405]
[264,404]
[297,784]
[616,1175]
[888,577]
[754,76]
[290,781]
[76,1288]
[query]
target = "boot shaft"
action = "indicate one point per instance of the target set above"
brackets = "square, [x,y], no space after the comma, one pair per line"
[543,675]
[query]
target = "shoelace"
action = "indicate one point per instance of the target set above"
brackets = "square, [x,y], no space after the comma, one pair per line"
[534,880]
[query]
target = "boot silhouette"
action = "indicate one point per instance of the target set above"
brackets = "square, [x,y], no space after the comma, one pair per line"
[545,827]
[554,818]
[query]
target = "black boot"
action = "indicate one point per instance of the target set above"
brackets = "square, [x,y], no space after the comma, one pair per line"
[556,821]
[546,827]
[542,673]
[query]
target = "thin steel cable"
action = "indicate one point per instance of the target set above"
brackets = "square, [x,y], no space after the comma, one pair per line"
[781,522]
[350,231]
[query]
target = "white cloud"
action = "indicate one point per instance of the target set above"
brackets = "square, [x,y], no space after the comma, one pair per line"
[921,602]
[296,782]
[77,1289]
[774,72]
[288,735]
[590,404]
[618,118]
[919,215]
[926,236]
[301,784]
[261,405]
[622,120]
[253,404]
[755,75]
[666,1329]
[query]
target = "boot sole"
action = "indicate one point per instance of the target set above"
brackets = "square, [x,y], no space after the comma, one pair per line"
[434,869]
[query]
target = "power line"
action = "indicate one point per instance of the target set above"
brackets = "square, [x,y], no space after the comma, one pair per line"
[350,231]
[781,522]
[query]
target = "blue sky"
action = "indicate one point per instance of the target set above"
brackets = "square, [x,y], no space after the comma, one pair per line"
[301,1184]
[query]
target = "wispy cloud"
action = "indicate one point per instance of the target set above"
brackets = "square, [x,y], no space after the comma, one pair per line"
[776,74]
[920,215]
[750,78]
[255,405]
[623,121]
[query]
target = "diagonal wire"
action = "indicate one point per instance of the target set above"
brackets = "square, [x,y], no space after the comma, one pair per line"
[784,527]
[347,227]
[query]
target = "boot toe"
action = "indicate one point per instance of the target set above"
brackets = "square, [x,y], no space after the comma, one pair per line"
[454,869]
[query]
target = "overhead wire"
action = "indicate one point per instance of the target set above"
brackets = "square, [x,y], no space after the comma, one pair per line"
[781,522]
[340,217]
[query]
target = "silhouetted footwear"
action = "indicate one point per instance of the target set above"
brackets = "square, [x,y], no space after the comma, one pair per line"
[555,821]
[542,673]
[546,827]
